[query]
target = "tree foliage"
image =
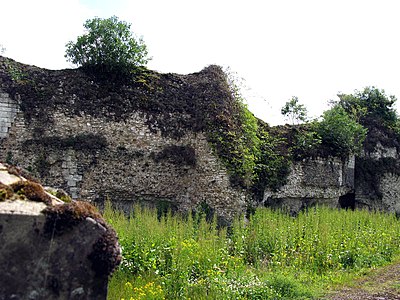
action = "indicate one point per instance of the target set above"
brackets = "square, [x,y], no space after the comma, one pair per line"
[108,44]
[339,131]
[244,145]
[294,111]
[370,107]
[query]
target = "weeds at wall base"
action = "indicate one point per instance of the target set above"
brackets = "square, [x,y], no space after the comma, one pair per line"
[272,256]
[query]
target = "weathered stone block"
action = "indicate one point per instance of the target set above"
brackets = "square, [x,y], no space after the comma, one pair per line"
[313,181]
[38,265]
[50,250]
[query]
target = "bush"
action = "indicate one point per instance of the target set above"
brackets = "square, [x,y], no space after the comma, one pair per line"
[370,107]
[307,142]
[294,111]
[340,132]
[109,45]
[245,146]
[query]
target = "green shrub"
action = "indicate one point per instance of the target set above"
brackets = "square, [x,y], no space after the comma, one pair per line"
[108,45]
[307,143]
[341,132]
[245,146]
[294,111]
[370,107]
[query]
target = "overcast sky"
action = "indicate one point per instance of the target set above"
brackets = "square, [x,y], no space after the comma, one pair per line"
[311,49]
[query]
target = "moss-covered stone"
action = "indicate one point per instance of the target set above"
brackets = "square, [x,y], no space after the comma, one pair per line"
[31,191]
[61,218]
[106,254]
[5,192]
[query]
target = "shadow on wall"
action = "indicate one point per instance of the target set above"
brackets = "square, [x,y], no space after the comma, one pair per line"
[348,201]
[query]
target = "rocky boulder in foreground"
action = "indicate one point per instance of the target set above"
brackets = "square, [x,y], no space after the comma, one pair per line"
[50,249]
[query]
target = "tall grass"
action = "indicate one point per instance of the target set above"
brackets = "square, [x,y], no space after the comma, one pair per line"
[270,256]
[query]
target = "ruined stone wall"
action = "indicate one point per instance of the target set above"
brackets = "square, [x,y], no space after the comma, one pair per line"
[8,111]
[377,179]
[390,189]
[144,137]
[124,161]
[147,139]
[313,181]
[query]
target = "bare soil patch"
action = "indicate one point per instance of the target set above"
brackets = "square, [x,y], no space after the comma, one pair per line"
[381,284]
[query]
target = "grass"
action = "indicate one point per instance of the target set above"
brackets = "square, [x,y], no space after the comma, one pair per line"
[270,256]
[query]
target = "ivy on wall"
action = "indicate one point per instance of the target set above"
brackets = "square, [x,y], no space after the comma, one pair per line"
[173,105]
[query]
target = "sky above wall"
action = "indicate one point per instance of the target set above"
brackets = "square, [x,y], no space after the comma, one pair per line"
[311,49]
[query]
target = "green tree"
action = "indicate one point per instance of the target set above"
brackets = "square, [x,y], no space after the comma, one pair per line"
[294,111]
[340,132]
[108,44]
[371,107]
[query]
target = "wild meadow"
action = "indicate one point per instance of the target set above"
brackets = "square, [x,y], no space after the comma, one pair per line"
[269,256]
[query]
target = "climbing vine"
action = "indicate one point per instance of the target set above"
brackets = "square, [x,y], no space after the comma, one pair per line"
[247,149]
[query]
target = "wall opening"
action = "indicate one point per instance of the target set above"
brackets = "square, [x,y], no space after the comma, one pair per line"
[348,201]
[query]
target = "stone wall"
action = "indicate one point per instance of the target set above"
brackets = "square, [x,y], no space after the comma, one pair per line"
[8,111]
[143,138]
[97,159]
[313,181]
[147,139]
[377,180]
[390,189]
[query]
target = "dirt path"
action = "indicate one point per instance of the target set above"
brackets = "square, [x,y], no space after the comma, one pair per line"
[381,284]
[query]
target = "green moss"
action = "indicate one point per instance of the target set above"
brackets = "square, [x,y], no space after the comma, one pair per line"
[60,194]
[5,192]
[106,253]
[60,218]
[31,190]
[63,196]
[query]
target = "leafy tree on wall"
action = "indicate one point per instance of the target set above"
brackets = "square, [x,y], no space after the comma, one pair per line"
[294,111]
[342,133]
[370,107]
[108,45]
